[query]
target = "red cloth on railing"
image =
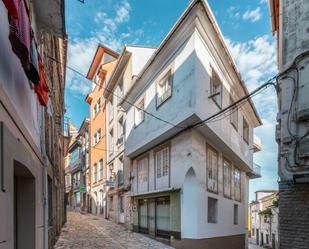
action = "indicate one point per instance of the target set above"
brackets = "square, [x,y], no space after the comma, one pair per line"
[20,35]
[12,7]
[42,88]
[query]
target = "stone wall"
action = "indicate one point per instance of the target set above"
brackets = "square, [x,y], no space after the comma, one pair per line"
[293,215]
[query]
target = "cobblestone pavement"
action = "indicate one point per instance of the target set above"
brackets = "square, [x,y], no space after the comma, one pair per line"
[252,246]
[92,232]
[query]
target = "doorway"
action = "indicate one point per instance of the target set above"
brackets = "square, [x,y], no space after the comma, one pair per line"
[257,236]
[154,216]
[24,207]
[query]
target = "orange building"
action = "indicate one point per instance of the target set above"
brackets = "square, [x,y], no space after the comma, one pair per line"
[99,72]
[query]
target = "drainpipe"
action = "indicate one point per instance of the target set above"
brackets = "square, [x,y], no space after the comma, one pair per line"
[45,182]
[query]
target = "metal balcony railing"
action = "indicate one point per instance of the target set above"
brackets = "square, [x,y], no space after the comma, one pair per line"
[256,171]
[120,178]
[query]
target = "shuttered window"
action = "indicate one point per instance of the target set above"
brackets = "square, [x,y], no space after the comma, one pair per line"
[212,170]
[162,162]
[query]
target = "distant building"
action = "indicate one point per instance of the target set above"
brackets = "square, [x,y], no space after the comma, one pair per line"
[264,219]
[98,181]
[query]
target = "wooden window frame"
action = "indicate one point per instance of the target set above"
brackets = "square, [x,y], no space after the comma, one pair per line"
[209,147]
[167,74]
[231,176]
[212,94]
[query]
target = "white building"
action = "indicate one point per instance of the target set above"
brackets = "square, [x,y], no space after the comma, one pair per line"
[264,218]
[190,183]
[129,64]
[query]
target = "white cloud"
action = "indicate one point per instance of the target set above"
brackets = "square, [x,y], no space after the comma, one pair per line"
[253,15]
[263,1]
[256,60]
[81,51]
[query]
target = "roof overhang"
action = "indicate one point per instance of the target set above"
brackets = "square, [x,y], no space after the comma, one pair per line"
[274,15]
[257,121]
[50,16]
[121,64]
[101,49]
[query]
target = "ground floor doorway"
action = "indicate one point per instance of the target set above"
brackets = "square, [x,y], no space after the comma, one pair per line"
[24,208]
[154,216]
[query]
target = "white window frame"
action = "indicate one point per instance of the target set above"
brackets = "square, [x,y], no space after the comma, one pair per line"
[139,114]
[162,162]
[212,169]
[237,184]
[234,114]
[216,88]
[227,178]
[246,133]
[164,88]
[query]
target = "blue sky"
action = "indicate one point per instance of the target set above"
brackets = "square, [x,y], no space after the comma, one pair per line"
[244,24]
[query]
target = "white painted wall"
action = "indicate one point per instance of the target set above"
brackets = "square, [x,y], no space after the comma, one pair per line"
[15,85]
[189,151]
[191,88]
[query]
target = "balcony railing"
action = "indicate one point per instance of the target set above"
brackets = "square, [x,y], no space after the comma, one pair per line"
[120,178]
[256,171]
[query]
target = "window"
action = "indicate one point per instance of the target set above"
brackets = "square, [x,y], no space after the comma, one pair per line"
[227,178]
[164,88]
[212,210]
[245,129]
[235,214]
[97,137]
[237,184]
[142,166]
[100,169]
[234,114]
[120,131]
[162,162]
[121,204]
[111,203]
[253,232]
[96,108]
[212,169]
[111,141]
[95,172]
[110,109]
[74,157]
[139,112]
[216,88]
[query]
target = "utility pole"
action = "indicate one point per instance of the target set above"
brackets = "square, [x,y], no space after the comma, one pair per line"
[290,24]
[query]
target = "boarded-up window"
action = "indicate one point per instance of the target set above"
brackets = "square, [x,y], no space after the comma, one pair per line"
[237,184]
[212,170]
[227,182]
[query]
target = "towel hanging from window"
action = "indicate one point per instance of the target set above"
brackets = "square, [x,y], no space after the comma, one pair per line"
[20,35]
[12,7]
[42,88]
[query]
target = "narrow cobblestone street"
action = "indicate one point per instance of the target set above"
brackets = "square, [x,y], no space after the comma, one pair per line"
[92,232]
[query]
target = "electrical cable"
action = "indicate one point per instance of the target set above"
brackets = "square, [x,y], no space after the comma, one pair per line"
[111,92]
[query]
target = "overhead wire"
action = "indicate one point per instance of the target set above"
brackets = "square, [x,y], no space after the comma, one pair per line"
[114,94]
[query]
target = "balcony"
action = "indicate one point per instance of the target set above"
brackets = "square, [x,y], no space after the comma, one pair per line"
[120,178]
[256,172]
[257,144]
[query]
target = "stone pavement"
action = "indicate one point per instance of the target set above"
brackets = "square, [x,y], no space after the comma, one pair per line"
[253,246]
[84,231]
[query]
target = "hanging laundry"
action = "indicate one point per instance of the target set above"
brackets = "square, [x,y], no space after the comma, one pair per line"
[33,72]
[42,88]
[12,7]
[20,35]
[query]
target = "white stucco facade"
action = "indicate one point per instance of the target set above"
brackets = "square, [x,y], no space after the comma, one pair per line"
[190,54]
